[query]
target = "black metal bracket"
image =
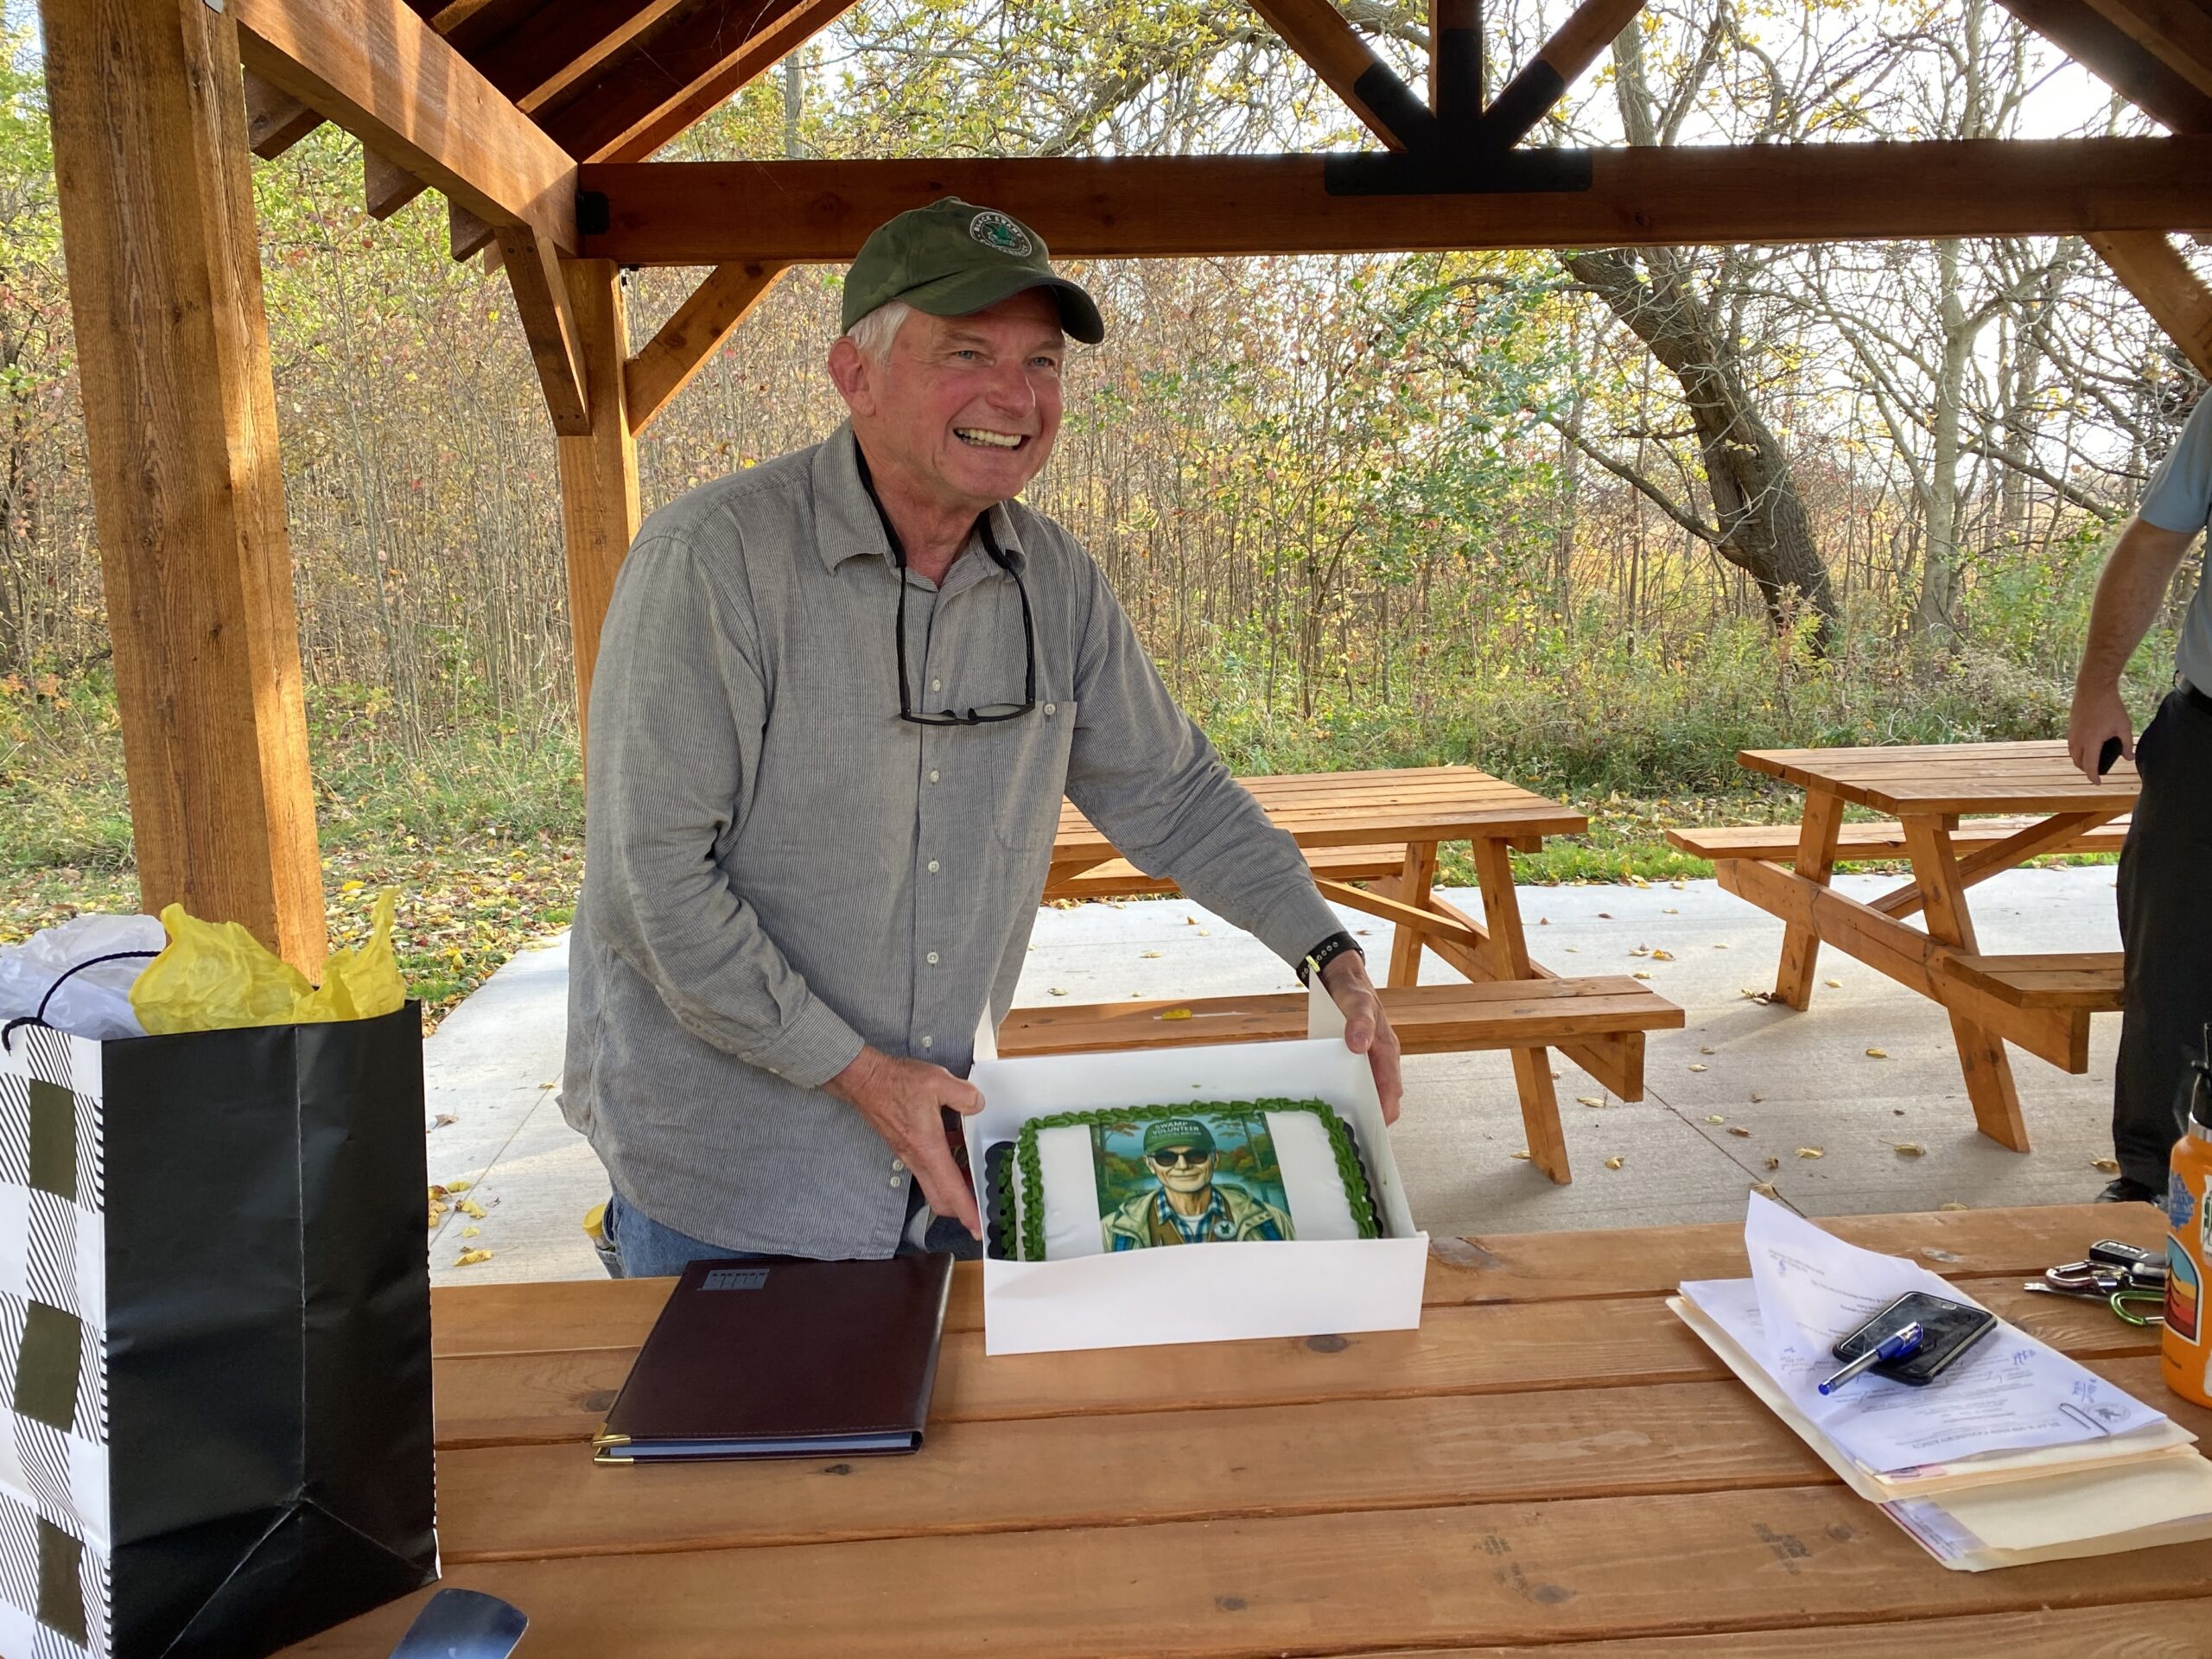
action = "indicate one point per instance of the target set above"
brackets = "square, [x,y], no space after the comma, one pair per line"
[1483,171]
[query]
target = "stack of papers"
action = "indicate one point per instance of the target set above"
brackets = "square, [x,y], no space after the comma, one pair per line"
[2016,1454]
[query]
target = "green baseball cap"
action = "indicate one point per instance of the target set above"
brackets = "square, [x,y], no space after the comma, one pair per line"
[952,259]
[1177,1132]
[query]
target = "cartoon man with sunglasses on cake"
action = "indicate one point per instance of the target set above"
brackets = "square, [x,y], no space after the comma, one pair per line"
[1188,1205]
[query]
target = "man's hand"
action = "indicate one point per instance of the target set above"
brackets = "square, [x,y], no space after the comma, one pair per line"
[901,1100]
[1367,1029]
[2099,717]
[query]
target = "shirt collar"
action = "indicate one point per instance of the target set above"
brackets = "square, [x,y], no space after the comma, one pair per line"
[847,524]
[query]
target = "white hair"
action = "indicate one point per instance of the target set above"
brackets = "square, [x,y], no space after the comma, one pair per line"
[873,332]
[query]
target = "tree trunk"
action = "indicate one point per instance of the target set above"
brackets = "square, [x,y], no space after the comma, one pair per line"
[1762,524]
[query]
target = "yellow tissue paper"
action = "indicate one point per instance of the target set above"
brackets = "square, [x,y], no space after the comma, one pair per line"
[214,975]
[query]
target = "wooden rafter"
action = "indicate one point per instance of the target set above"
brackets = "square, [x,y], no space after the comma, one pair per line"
[1317,31]
[385,188]
[797,213]
[548,323]
[1455,57]
[2156,275]
[699,55]
[1543,81]
[562,44]
[2093,41]
[275,120]
[2177,33]
[378,71]
[687,339]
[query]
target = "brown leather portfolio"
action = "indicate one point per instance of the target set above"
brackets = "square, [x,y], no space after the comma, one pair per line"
[785,1359]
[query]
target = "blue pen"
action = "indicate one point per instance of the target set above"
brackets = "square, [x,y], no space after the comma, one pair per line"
[1895,1347]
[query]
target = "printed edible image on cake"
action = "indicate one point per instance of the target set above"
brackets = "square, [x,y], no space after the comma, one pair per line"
[1092,1183]
[1195,1179]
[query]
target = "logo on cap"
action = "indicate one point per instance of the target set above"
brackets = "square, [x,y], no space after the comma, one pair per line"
[997,231]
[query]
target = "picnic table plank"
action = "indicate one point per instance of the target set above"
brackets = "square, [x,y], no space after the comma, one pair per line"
[1980,777]
[519,1503]
[1549,1532]
[2136,1630]
[509,1319]
[1498,1572]
[1479,1349]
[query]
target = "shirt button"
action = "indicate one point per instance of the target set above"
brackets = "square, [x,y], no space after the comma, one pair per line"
[937,685]
[1051,709]
[932,774]
[896,1180]
[929,1042]
[930,959]
[933,867]
[897,1164]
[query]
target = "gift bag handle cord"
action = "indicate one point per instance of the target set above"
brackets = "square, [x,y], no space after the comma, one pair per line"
[8,1031]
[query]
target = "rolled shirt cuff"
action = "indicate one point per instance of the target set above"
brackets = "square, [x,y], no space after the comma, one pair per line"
[1298,924]
[812,1049]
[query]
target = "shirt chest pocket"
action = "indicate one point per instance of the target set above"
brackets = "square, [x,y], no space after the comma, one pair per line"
[1028,767]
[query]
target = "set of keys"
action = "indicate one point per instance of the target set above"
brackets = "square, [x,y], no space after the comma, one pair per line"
[2132,1281]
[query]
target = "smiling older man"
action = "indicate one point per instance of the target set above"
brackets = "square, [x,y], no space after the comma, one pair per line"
[838,699]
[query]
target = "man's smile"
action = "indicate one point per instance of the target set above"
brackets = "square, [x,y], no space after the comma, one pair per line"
[982,438]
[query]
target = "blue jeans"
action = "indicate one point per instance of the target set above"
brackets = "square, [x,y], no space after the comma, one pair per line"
[635,1246]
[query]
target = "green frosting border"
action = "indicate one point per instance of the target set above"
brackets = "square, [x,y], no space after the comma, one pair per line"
[1026,1165]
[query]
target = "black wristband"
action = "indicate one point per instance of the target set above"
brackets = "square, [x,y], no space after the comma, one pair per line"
[1324,953]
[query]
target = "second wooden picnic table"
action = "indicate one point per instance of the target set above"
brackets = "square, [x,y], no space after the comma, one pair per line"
[2042,1003]
[1385,828]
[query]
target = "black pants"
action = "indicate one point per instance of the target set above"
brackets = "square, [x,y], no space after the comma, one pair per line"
[2165,927]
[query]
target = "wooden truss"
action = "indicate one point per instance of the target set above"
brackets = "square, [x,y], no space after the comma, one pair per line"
[534,118]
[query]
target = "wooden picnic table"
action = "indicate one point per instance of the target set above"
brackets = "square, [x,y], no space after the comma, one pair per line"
[2042,1003]
[1552,1457]
[1385,828]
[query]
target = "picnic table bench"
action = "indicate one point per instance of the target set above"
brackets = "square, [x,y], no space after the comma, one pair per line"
[1385,828]
[2041,805]
[1552,1457]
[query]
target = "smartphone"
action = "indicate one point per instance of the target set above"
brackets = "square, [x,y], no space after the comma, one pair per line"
[1949,1330]
[2105,756]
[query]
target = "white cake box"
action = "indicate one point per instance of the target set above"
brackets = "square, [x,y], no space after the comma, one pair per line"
[1295,1287]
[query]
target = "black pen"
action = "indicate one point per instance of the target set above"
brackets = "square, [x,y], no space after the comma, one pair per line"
[1892,1347]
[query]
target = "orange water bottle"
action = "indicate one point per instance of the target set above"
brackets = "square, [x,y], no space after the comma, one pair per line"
[2187,1345]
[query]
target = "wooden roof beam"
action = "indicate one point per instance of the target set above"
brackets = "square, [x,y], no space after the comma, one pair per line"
[1543,81]
[275,120]
[2174,294]
[378,70]
[1455,63]
[2093,41]
[700,53]
[2177,33]
[386,189]
[798,213]
[561,43]
[687,339]
[1386,106]
[548,322]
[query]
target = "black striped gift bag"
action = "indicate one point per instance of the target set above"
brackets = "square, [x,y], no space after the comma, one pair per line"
[214,1338]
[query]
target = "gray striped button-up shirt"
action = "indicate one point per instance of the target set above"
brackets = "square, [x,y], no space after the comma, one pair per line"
[778,869]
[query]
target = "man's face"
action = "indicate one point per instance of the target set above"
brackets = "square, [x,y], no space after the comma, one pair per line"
[963,409]
[1182,1169]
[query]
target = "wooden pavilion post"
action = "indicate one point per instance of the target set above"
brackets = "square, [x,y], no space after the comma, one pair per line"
[149,145]
[599,469]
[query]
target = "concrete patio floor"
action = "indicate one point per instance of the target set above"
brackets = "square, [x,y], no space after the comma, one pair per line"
[1792,1080]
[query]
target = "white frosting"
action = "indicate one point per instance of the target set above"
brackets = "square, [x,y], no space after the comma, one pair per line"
[1320,1207]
